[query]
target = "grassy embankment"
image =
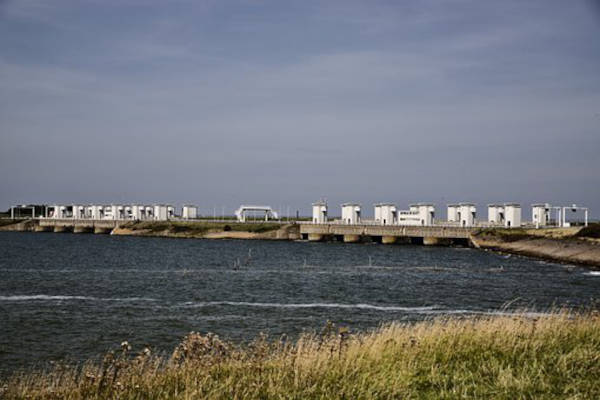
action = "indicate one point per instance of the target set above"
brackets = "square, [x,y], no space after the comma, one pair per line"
[592,231]
[570,245]
[201,227]
[209,230]
[7,221]
[501,357]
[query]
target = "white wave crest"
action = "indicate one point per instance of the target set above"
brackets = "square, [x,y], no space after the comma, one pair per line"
[308,305]
[426,310]
[44,297]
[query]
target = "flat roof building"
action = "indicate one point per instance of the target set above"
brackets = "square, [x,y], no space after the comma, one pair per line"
[386,214]
[319,212]
[161,212]
[467,214]
[496,214]
[453,213]
[189,212]
[513,215]
[351,213]
[540,214]
[421,214]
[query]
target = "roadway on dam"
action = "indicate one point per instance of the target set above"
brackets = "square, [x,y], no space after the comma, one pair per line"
[387,233]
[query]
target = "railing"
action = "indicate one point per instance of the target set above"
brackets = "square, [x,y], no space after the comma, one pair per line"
[171,219]
[436,223]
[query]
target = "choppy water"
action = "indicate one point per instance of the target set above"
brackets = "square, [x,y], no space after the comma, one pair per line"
[77,296]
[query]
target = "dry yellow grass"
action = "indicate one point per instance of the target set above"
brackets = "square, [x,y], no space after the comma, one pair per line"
[500,357]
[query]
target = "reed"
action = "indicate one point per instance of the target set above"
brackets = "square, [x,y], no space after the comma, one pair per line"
[501,357]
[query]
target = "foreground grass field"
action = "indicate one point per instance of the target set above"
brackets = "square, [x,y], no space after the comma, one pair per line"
[500,357]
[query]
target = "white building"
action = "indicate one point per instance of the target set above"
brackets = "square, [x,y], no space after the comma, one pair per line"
[453,213]
[117,211]
[351,213]
[496,214]
[107,212]
[189,212]
[61,211]
[112,212]
[138,211]
[540,214]
[96,211]
[466,214]
[419,214]
[78,211]
[513,215]
[161,212]
[54,211]
[319,212]
[386,214]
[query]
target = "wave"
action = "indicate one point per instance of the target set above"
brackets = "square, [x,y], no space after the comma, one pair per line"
[427,310]
[308,305]
[593,273]
[45,297]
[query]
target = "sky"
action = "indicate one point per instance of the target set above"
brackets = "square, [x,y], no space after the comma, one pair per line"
[222,103]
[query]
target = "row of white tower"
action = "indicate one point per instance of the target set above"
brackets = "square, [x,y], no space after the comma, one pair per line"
[462,214]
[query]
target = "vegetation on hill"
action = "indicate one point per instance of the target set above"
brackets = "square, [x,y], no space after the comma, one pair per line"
[502,357]
[200,228]
[515,234]
[590,231]
[507,235]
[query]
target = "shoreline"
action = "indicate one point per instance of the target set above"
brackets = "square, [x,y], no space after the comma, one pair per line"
[572,246]
[568,248]
[174,229]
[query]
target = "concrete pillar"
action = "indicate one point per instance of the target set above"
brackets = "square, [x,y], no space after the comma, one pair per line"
[60,229]
[351,238]
[39,228]
[82,229]
[434,241]
[430,241]
[315,237]
[99,230]
[388,239]
[12,213]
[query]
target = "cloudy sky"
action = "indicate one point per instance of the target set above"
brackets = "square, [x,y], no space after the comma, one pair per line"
[219,103]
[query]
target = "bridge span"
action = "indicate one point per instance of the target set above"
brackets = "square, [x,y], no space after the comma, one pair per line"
[428,235]
[76,225]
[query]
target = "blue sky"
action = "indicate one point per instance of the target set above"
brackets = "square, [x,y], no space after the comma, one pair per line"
[220,103]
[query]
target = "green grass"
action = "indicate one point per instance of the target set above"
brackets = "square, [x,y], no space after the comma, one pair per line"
[501,357]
